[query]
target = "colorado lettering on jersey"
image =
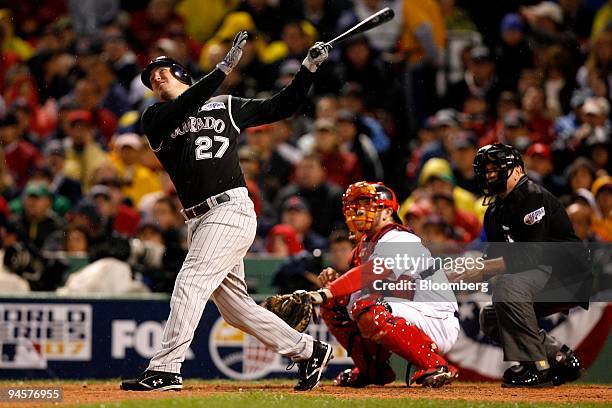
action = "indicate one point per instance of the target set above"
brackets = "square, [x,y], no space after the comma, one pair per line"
[194,125]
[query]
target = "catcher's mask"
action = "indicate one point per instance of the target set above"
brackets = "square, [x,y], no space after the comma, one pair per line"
[363,200]
[493,165]
[177,70]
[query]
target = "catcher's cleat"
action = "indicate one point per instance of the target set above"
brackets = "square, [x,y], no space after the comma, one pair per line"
[435,377]
[526,376]
[154,381]
[350,378]
[310,370]
[353,378]
[566,367]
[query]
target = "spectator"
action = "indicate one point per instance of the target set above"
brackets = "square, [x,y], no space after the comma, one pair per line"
[55,157]
[37,221]
[152,23]
[465,146]
[423,39]
[580,174]
[456,18]
[264,15]
[545,27]
[581,217]
[341,167]
[21,156]
[465,226]
[598,66]
[340,251]
[479,80]
[311,186]
[513,55]
[437,234]
[359,145]
[9,42]
[539,166]
[114,96]
[322,14]
[137,180]
[366,68]
[116,216]
[274,168]
[87,96]
[296,213]
[533,104]
[352,99]
[437,177]
[121,61]
[83,155]
[598,146]
[282,241]
[567,125]
[416,215]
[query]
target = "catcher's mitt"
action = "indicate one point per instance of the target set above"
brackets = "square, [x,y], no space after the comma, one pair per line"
[295,309]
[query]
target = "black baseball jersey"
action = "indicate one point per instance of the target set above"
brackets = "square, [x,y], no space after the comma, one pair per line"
[195,138]
[532,217]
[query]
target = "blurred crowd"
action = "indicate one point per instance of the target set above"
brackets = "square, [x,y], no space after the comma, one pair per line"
[84,198]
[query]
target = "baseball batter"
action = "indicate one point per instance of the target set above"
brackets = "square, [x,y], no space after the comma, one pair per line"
[414,324]
[195,139]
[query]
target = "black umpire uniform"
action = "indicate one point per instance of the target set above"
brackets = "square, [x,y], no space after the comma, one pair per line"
[547,267]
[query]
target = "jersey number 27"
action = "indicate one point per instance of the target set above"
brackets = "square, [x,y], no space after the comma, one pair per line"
[204,143]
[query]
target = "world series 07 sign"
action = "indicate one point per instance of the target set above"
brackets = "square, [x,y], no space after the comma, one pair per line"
[32,334]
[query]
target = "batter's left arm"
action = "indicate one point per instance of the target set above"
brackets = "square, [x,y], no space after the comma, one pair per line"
[254,112]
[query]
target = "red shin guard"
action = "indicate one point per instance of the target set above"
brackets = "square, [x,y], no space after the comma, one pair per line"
[395,334]
[370,358]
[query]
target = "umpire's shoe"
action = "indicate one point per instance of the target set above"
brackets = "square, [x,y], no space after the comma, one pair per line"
[310,370]
[154,381]
[566,367]
[527,375]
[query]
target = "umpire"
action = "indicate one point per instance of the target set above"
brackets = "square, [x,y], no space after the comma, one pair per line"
[540,267]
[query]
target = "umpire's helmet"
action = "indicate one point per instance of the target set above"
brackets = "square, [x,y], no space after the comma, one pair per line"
[495,158]
[178,71]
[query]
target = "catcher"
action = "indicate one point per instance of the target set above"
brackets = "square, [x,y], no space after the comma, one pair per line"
[416,325]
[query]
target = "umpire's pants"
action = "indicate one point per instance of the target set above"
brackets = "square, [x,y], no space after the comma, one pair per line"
[512,319]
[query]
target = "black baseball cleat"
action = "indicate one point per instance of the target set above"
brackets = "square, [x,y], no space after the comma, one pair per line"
[528,376]
[310,370]
[566,367]
[154,381]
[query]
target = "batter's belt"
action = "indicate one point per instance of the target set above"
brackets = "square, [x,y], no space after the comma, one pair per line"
[205,206]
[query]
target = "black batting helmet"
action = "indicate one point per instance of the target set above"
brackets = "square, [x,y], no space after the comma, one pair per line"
[178,71]
[498,158]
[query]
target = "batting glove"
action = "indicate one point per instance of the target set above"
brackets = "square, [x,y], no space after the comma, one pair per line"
[235,53]
[316,55]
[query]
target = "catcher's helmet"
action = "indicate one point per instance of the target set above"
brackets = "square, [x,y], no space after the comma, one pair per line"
[362,200]
[178,71]
[492,167]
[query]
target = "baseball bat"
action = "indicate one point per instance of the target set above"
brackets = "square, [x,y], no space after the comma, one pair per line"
[376,19]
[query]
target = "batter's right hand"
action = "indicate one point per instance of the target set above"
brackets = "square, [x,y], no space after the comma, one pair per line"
[235,53]
[327,275]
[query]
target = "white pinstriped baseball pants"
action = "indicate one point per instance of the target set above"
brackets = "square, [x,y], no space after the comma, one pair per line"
[214,269]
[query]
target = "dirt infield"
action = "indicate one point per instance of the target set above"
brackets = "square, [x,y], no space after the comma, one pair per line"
[105,392]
